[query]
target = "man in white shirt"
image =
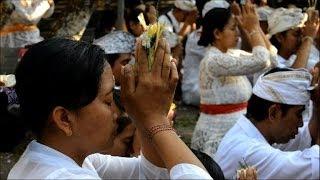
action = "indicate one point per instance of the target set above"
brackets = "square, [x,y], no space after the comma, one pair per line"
[293,33]
[181,18]
[274,115]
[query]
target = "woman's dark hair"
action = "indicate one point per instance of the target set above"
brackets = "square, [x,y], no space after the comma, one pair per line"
[216,18]
[258,108]
[200,5]
[57,72]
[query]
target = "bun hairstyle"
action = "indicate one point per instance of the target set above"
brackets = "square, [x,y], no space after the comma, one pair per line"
[216,18]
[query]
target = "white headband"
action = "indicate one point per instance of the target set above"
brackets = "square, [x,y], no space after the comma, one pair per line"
[186,5]
[116,42]
[284,19]
[214,4]
[264,13]
[285,87]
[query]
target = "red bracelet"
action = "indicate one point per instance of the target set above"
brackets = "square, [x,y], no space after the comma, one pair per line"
[158,128]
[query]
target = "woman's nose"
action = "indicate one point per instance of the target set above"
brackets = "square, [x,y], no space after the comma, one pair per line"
[238,32]
[115,111]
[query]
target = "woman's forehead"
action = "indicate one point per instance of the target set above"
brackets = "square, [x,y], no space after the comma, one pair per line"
[232,21]
[107,80]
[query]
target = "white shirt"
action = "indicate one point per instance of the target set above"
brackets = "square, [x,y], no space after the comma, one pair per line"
[173,26]
[191,64]
[244,142]
[313,59]
[42,162]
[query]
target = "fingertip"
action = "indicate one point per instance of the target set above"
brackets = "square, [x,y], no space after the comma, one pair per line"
[174,61]
[167,47]
[162,42]
[127,69]
[122,70]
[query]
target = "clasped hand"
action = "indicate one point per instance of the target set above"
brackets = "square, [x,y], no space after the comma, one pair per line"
[147,95]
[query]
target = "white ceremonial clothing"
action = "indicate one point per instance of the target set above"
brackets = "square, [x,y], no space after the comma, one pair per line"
[42,162]
[171,25]
[223,81]
[314,58]
[190,72]
[29,15]
[287,87]
[295,160]
[312,61]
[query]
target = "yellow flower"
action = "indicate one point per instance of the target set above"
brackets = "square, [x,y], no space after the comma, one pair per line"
[152,30]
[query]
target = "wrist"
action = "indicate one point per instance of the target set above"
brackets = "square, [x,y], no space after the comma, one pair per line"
[307,38]
[253,32]
[153,120]
[252,28]
[158,129]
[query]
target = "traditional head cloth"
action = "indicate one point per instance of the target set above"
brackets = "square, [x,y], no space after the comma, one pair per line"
[185,5]
[116,42]
[8,80]
[264,12]
[284,19]
[285,87]
[214,4]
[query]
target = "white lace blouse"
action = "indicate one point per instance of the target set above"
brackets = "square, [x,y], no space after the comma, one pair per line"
[223,75]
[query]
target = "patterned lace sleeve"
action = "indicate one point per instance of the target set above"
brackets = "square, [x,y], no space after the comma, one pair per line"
[243,64]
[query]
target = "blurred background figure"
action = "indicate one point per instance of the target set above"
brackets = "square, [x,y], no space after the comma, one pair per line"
[21,28]
[19,19]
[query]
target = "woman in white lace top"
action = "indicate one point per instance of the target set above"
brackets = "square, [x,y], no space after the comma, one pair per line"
[224,87]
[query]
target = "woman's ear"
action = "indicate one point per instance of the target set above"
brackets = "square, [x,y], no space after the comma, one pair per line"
[216,34]
[63,119]
[274,112]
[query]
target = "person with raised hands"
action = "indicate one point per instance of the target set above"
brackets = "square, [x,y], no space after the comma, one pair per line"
[147,98]
[293,33]
[272,136]
[224,87]
[73,115]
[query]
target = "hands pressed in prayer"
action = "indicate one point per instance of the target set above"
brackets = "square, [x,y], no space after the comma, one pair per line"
[235,9]
[249,26]
[151,14]
[248,174]
[248,17]
[191,17]
[312,24]
[148,95]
